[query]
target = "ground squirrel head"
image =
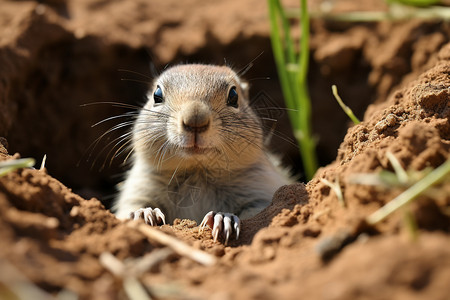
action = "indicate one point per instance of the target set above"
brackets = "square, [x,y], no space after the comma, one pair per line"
[198,116]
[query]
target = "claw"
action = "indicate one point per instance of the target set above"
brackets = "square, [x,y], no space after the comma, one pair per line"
[218,226]
[159,215]
[236,225]
[207,220]
[227,227]
[222,224]
[138,214]
[150,216]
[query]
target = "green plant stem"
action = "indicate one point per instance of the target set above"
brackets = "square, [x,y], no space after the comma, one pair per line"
[307,143]
[280,59]
[422,3]
[304,136]
[344,107]
[410,194]
[293,72]
[289,44]
[396,12]
[303,60]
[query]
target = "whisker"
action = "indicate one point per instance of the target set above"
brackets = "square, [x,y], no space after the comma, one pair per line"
[248,66]
[117,141]
[258,78]
[112,103]
[269,119]
[284,137]
[174,172]
[134,72]
[124,142]
[128,114]
[128,155]
[122,148]
[274,108]
[135,80]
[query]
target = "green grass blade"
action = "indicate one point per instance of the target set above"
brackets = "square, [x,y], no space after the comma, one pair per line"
[289,44]
[344,107]
[304,42]
[416,2]
[11,165]
[293,72]
[304,134]
[410,194]
[280,60]
[307,143]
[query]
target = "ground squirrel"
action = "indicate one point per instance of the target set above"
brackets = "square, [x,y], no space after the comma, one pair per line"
[199,153]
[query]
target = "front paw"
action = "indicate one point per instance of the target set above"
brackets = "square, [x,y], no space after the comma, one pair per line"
[224,223]
[151,216]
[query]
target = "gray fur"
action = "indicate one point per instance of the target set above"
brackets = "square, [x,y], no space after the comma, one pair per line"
[235,174]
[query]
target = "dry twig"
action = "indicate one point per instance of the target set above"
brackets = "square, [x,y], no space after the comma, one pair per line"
[175,244]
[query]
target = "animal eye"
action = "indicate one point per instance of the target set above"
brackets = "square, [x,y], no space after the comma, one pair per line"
[158,95]
[232,97]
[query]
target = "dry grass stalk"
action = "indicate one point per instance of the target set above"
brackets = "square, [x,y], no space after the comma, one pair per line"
[175,244]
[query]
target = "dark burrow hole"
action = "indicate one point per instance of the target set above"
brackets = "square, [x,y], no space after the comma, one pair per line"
[50,117]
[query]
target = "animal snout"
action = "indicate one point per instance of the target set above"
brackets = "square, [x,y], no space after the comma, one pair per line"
[196,118]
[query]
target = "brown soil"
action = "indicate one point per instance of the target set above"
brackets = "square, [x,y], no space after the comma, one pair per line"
[305,245]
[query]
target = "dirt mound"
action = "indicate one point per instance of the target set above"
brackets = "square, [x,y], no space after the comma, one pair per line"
[306,244]
[55,237]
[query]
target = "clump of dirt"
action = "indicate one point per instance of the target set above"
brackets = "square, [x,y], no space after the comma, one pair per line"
[305,243]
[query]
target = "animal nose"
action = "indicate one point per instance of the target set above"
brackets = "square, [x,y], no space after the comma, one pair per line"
[196,125]
[196,118]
